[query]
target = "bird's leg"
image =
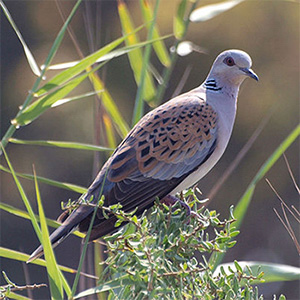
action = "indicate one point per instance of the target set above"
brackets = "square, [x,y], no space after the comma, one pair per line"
[171,200]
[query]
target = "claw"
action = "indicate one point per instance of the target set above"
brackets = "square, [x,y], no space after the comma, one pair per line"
[171,200]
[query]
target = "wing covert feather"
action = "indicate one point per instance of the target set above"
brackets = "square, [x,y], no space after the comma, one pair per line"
[167,142]
[165,147]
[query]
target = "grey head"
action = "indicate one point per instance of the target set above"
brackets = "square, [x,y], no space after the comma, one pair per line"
[232,67]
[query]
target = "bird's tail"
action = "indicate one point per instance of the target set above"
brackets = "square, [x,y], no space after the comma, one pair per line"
[69,225]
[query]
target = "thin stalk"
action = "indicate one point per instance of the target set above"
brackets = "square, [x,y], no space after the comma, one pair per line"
[174,56]
[139,103]
[87,237]
[12,128]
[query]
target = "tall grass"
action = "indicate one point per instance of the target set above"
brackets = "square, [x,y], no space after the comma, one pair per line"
[43,97]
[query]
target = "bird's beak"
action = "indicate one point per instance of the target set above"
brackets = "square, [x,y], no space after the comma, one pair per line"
[250,73]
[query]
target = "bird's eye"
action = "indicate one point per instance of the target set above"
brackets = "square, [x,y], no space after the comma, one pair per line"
[229,61]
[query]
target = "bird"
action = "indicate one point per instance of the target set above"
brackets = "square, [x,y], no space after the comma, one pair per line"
[170,149]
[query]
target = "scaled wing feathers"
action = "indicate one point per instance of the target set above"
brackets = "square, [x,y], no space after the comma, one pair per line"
[168,142]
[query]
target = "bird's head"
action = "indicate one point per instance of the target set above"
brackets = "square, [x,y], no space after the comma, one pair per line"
[232,66]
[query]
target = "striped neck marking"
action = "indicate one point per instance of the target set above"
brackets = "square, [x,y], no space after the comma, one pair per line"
[211,84]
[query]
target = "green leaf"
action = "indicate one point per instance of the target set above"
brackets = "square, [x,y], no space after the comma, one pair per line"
[272,272]
[54,274]
[139,103]
[24,197]
[109,131]
[67,145]
[75,98]
[38,107]
[12,128]
[159,46]
[111,55]
[60,36]
[136,56]
[82,65]
[179,23]
[110,285]
[110,106]
[63,185]
[208,12]
[23,214]
[20,256]
[238,266]
[32,63]
[243,204]
[98,202]
[12,295]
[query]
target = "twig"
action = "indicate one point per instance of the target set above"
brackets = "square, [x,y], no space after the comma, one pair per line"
[167,71]
[286,222]
[281,200]
[16,288]
[291,173]
[291,233]
[182,82]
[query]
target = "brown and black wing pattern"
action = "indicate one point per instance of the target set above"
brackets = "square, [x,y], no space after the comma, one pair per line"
[166,146]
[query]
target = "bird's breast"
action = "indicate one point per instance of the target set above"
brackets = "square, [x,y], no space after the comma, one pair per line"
[225,121]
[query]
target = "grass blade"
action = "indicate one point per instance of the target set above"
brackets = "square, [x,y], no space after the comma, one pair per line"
[241,208]
[38,107]
[23,214]
[87,237]
[63,185]
[139,101]
[24,197]
[109,56]
[179,23]
[159,46]
[12,295]
[75,98]
[20,256]
[243,204]
[272,272]
[12,128]
[110,285]
[60,36]
[108,102]
[110,106]
[210,11]
[67,145]
[109,130]
[82,65]
[136,56]
[54,277]
[31,61]
[173,57]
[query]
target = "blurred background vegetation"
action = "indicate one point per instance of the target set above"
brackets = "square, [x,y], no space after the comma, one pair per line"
[267,30]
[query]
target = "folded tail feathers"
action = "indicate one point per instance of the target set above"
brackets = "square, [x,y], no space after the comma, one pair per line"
[56,238]
[69,225]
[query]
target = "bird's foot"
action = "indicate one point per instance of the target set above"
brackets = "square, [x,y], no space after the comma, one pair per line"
[171,200]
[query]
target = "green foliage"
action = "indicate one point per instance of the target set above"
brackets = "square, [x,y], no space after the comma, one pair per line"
[154,256]
[244,202]
[168,253]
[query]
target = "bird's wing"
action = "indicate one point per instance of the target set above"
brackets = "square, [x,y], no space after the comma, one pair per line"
[168,142]
[167,145]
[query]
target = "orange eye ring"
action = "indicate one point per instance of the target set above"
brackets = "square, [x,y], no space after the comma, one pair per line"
[229,61]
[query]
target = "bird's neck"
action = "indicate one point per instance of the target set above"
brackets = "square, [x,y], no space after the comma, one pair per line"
[215,85]
[211,84]
[222,96]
